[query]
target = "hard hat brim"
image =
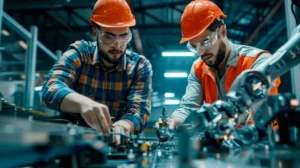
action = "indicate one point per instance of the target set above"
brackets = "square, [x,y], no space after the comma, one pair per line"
[185,39]
[130,24]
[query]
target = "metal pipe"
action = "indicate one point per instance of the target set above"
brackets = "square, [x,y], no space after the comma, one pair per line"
[272,34]
[46,50]
[1,12]
[13,63]
[18,73]
[290,25]
[30,68]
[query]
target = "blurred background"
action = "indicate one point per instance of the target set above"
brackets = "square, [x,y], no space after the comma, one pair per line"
[58,23]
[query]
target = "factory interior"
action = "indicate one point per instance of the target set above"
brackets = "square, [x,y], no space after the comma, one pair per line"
[168,91]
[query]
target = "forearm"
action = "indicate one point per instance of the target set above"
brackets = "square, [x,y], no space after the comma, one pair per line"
[95,114]
[139,98]
[138,114]
[59,82]
[181,113]
[192,99]
[73,102]
[53,93]
[176,121]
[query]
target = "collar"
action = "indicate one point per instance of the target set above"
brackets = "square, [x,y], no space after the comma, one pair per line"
[97,59]
[233,55]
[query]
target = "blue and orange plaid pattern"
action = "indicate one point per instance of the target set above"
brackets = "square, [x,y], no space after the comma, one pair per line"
[126,90]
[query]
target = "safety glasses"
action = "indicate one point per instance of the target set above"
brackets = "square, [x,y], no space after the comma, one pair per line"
[111,39]
[204,44]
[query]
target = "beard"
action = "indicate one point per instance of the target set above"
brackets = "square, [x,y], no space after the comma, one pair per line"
[219,58]
[104,55]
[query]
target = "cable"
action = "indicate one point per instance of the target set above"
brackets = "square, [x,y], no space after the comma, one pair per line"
[293,11]
[35,112]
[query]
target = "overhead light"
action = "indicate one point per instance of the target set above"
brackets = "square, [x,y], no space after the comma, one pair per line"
[4,32]
[175,74]
[38,88]
[155,93]
[172,102]
[157,104]
[169,95]
[22,44]
[178,54]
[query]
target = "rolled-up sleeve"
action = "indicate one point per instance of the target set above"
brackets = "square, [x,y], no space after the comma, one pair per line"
[60,79]
[139,98]
[192,99]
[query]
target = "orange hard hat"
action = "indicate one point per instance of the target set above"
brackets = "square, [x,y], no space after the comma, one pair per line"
[112,13]
[197,17]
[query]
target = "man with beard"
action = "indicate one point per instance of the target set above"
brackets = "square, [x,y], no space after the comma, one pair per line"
[220,60]
[94,81]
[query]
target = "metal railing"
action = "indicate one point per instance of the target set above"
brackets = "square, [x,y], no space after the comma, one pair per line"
[31,56]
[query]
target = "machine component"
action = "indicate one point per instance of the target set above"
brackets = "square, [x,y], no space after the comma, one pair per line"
[68,145]
[26,142]
[163,132]
[285,58]
[256,87]
[283,114]
[248,92]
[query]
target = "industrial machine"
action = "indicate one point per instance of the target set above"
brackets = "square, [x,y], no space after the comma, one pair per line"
[208,138]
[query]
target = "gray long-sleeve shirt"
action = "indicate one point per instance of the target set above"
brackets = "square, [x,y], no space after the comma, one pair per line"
[193,98]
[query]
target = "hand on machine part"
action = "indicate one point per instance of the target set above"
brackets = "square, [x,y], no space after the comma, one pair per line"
[97,116]
[123,126]
[174,122]
[170,123]
[161,123]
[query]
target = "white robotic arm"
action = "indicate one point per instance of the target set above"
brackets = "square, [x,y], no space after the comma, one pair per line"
[252,86]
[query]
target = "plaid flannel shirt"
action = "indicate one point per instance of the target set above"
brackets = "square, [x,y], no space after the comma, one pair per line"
[126,90]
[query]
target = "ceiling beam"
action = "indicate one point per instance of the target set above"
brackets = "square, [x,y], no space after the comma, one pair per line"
[136,34]
[81,18]
[47,4]
[152,17]
[162,5]
[58,4]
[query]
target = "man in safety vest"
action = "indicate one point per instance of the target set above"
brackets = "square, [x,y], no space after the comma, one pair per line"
[94,81]
[220,60]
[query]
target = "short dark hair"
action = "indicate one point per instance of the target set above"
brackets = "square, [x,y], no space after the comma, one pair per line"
[216,24]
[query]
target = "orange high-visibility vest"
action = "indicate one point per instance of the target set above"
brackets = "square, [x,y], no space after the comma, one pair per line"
[209,87]
[207,77]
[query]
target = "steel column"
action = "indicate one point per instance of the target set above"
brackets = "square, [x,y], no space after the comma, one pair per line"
[1,49]
[30,66]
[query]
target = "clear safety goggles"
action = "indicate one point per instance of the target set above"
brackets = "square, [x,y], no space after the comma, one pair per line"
[111,39]
[204,44]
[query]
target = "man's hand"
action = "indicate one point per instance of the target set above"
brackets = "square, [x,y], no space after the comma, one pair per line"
[96,116]
[123,126]
[172,123]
